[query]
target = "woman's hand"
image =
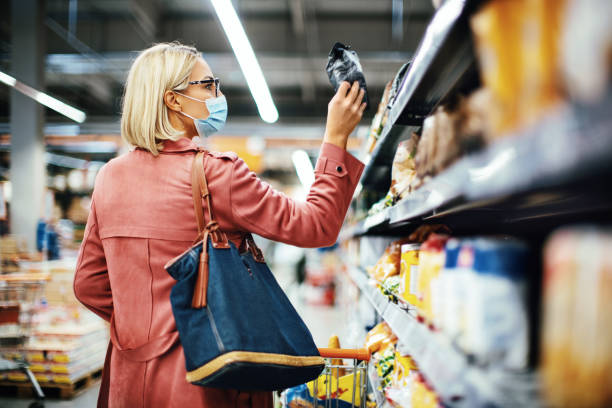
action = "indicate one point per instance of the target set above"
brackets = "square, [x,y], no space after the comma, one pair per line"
[344,113]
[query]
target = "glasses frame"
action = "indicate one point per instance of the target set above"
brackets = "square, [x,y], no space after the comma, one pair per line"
[214,81]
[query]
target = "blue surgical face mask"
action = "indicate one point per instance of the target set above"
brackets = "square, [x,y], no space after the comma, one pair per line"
[217,107]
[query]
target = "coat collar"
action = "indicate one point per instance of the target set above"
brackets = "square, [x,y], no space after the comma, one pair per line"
[181,145]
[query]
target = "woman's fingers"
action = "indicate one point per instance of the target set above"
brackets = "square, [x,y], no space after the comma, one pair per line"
[353,92]
[343,89]
[362,108]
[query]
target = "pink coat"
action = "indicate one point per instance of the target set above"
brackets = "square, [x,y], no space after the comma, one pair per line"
[142,216]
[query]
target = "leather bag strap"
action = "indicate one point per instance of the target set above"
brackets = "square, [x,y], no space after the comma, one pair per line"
[199,188]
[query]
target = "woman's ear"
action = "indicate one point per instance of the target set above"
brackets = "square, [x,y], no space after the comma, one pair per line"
[171,101]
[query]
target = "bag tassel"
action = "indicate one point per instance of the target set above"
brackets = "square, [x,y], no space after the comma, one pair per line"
[199,299]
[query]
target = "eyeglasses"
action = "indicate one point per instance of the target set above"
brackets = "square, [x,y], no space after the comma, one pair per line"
[214,81]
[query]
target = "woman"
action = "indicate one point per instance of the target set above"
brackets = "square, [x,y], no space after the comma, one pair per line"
[142,216]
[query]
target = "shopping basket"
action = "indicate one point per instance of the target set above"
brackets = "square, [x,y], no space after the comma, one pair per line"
[19,296]
[338,386]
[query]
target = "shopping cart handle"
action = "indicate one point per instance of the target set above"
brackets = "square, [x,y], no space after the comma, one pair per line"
[357,354]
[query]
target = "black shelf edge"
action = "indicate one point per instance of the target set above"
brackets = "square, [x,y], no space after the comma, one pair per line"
[456,381]
[569,149]
[443,62]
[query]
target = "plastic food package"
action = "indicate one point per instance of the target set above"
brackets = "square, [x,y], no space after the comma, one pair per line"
[431,261]
[497,330]
[422,395]
[343,65]
[409,273]
[576,343]
[455,279]
[379,120]
[403,170]
[518,46]
[587,49]
[391,287]
[389,263]
[379,338]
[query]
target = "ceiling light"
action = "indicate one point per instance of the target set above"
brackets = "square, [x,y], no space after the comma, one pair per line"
[44,99]
[303,168]
[246,59]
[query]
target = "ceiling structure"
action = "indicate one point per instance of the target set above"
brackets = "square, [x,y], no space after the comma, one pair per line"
[90,46]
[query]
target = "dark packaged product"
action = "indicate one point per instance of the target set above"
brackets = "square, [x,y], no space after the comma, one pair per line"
[343,65]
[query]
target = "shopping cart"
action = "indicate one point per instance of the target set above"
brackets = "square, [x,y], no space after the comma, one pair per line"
[19,296]
[338,386]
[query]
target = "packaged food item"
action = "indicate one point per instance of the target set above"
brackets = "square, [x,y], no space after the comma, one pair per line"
[379,120]
[576,341]
[431,261]
[390,287]
[426,148]
[409,273]
[380,337]
[334,343]
[403,169]
[389,264]
[497,329]
[386,201]
[518,46]
[474,120]
[456,278]
[423,396]
[587,48]
[343,65]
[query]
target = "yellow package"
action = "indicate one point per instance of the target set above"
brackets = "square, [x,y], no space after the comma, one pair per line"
[431,261]
[403,367]
[518,48]
[388,264]
[340,389]
[409,273]
[379,338]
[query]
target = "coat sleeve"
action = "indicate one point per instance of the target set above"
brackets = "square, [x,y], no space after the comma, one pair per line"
[91,283]
[256,207]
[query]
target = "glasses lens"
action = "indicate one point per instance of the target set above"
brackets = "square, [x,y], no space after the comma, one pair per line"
[217,86]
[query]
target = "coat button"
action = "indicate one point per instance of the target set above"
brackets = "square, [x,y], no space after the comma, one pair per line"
[339,169]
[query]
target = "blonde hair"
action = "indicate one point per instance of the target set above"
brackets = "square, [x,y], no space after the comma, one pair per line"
[144,119]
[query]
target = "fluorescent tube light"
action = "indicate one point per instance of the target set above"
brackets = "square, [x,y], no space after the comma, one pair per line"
[246,59]
[44,99]
[303,168]
[7,79]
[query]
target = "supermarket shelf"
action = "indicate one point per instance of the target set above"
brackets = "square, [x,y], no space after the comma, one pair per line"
[456,381]
[444,65]
[557,167]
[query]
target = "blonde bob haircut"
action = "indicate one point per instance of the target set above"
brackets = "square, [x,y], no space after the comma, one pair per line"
[144,118]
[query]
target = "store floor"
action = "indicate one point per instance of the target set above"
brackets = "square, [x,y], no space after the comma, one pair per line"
[321,320]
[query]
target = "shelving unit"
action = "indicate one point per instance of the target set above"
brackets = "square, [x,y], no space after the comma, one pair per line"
[447,368]
[553,173]
[526,176]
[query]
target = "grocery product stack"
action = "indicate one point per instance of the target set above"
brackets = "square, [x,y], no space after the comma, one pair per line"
[63,343]
[481,231]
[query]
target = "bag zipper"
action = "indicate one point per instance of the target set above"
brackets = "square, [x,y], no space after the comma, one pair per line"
[214,329]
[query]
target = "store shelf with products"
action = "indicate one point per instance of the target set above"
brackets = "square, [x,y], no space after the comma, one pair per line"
[536,173]
[454,379]
[444,65]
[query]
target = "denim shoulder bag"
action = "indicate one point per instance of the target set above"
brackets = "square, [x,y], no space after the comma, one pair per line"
[237,327]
